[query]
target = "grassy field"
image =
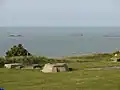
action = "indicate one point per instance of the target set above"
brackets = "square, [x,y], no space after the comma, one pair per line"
[79,79]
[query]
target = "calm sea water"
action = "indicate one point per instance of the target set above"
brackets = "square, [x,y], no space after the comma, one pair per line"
[55,42]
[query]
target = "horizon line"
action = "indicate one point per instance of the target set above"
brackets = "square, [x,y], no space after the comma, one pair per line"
[60,26]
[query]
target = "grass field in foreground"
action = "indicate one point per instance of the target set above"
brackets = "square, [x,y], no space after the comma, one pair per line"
[75,80]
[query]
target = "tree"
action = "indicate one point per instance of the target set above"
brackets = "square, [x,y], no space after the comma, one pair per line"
[18,50]
[116,52]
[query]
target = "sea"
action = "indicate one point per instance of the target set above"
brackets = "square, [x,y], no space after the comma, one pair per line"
[61,41]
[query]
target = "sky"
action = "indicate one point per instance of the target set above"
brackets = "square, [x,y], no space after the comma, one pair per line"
[59,12]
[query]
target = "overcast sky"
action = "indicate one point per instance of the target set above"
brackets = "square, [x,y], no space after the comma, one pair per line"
[59,12]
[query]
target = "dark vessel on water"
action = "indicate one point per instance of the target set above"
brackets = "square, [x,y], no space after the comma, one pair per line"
[76,34]
[111,35]
[12,35]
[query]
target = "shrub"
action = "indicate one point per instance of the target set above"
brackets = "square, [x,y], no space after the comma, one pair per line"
[18,50]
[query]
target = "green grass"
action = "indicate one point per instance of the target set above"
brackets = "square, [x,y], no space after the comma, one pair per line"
[91,58]
[78,79]
[75,80]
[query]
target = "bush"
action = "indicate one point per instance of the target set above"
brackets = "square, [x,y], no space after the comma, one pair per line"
[2,62]
[18,54]
[93,57]
[28,60]
[116,52]
[18,50]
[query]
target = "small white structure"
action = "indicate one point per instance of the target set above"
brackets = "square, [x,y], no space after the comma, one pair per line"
[116,55]
[13,65]
[58,67]
[115,59]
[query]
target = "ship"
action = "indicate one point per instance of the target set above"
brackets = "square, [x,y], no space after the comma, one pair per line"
[76,35]
[12,35]
[111,35]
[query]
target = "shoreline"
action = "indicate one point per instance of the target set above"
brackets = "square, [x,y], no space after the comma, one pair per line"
[79,55]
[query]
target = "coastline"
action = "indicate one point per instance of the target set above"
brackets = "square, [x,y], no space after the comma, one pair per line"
[79,55]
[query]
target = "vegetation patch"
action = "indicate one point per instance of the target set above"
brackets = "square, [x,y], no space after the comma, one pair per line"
[80,77]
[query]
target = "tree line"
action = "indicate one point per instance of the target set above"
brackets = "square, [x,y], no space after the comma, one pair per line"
[19,54]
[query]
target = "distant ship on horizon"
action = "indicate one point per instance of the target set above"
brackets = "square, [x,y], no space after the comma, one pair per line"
[12,35]
[76,34]
[111,35]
